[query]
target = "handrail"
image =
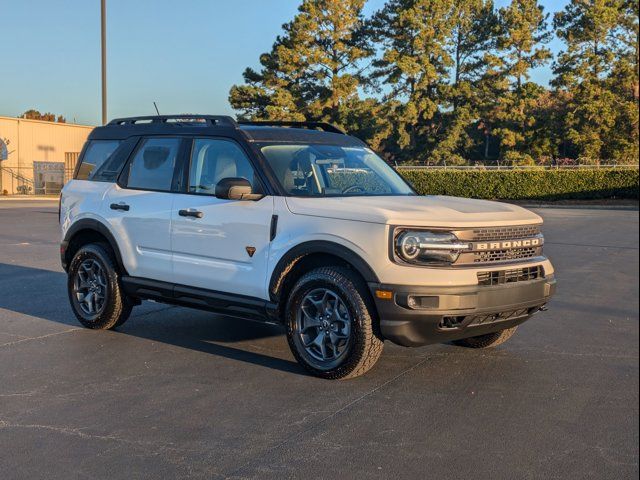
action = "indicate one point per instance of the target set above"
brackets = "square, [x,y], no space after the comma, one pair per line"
[16,176]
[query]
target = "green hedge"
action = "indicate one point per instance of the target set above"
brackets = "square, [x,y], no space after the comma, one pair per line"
[526,184]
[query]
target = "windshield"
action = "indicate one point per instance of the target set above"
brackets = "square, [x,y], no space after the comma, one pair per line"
[328,170]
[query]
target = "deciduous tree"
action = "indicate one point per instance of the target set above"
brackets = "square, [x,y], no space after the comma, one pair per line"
[47,117]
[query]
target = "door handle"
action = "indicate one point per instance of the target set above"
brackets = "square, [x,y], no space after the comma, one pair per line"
[120,206]
[190,213]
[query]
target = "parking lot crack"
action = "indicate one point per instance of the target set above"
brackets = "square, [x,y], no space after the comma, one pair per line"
[63,430]
[28,339]
[328,417]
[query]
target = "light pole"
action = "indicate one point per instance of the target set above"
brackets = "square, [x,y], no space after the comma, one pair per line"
[103,25]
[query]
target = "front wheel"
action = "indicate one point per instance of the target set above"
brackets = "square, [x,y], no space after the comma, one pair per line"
[330,324]
[94,289]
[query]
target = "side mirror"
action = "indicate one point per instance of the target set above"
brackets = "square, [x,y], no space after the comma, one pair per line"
[235,188]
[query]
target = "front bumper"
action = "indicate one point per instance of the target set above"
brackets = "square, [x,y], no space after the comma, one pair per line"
[453,313]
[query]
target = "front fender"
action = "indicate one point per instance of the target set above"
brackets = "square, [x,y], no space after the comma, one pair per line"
[294,254]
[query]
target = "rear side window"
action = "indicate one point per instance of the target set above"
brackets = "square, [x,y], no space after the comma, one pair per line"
[153,165]
[98,151]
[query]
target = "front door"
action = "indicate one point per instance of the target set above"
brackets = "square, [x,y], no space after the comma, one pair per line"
[220,245]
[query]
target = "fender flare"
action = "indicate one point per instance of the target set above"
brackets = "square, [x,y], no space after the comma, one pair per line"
[298,252]
[96,226]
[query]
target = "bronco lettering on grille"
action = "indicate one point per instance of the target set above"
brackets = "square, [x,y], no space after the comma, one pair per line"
[525,243]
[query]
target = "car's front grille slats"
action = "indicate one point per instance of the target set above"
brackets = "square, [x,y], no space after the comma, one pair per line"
[504,255]
[502,277]
[505,233]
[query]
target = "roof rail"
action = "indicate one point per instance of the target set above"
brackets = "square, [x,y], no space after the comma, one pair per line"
[221,120]
[327,127]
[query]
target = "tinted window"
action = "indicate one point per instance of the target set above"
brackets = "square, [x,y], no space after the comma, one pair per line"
[214,159]
[153,165]
[112,166]
[319,170]
[95,155]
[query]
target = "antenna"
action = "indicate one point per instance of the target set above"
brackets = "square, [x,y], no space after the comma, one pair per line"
[157,111]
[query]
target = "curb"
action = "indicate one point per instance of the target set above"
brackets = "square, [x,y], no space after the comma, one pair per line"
[28,198]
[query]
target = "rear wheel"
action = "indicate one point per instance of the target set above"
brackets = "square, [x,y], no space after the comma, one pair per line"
[94,288]
[489,340]
[330,324]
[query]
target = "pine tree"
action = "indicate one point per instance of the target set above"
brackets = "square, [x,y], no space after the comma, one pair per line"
[599,70]
[623,82]
[313,69]
[414,65]
[473,38]
[520,45]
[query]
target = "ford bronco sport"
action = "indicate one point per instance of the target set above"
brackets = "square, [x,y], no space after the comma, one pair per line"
[292,223]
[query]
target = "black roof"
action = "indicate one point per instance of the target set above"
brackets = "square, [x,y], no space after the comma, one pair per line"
[220,125]
[264,134]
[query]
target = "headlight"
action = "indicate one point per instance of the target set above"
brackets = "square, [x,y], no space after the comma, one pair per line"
[423,247]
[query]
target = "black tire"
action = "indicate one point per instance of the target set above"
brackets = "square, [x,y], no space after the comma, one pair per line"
[115,307]
[364,345]
[489,340]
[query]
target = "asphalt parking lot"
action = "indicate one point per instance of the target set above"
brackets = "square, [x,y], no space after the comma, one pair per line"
[180,393]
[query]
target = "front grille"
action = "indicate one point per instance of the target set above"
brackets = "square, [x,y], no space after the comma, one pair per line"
[502,277]
[492,245]
[505,233]
[490,256]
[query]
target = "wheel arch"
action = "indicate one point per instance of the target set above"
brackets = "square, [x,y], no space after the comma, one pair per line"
[307,255]
[88,230]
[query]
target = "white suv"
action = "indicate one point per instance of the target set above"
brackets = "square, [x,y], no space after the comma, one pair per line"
[293,223]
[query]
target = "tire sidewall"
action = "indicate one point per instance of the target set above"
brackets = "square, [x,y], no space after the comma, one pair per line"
[98,253]
[308,283]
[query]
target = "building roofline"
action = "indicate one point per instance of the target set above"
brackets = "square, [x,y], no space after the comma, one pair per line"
[18,119]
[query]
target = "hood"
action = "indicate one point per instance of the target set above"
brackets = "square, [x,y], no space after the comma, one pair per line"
[418,211]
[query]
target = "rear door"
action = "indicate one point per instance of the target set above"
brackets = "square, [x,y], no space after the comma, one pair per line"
[218,244]
[139,207]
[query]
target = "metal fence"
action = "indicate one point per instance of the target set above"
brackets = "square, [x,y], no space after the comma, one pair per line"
[26,181]
[516,167]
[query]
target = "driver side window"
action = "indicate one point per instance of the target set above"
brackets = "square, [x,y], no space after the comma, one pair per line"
[213,160]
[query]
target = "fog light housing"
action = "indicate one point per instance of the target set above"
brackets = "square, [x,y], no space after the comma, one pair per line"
[419,302]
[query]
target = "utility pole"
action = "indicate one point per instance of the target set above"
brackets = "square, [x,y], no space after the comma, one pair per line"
[103,25]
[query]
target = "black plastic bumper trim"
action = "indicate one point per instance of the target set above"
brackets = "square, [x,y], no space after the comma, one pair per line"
[416,327]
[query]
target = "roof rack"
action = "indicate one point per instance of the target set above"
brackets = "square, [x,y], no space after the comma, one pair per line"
[221,120]
[324,126]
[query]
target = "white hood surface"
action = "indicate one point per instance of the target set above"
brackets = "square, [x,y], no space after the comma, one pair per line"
[429,211]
